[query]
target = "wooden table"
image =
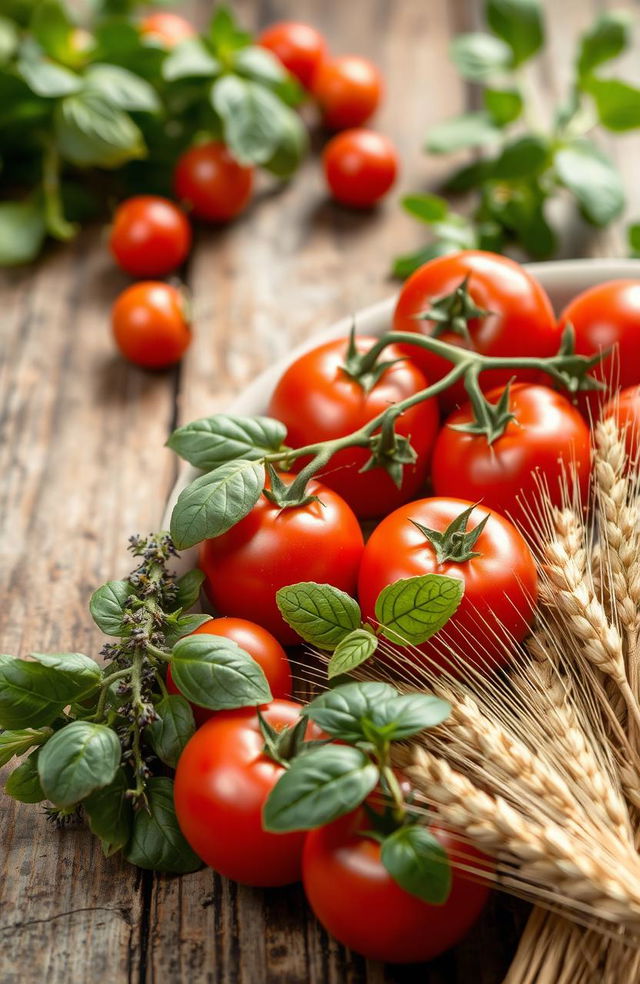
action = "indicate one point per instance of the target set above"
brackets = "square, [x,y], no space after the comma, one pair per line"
[83,466]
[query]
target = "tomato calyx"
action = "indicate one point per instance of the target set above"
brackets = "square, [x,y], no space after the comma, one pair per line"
[574,370]
[490,419]
[288,496]
[282,746]
[391,451]
[364,367]
[453,312]
[456,543]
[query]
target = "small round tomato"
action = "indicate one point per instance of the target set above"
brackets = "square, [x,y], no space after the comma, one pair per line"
[150,324]
[211,183]
[256,641]
[273,547]
[166,28]
[624,407]
[299,47]
[357,901]
[348,90]
[538,447]
[150,236]
[318,401]
[222,781]
[360,167]
[497,568]
[519,320]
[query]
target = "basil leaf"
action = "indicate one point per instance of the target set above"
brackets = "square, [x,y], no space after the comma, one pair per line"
[78,674]
[260,65]
[182,626]
[189,588]
[18,742]
[607,37]
[352,651]
[318,787]
[216,673]
[169,734]
[593,180]
[110,814]
[121,88]
[416,860]
[252,117]
[53,29]
[224,33]
[33,694]
[76,760]
[319,613]
[157,842]
[414,608]
[214,441]
[521,158]
[8,39]
[24,782]
[460,132]
[188,60]
[503,105]
[427,208]
[22,232]
[107,607]
[341,711]
[215,502]
[91,132]
[46,79]
[520,24]
[617,102]
[292,145]
[479,57]
[405,715]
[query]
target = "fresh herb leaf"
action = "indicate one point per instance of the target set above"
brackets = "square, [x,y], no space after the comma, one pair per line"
[320,613]
[416,860]
[24,782]
[169,734]
[413,609]
[519,23]
[215,672]
[592,178]
[107,607]
[352,651]
[77,760]
[110,814]
[157,842]
[215,502]
[213,441]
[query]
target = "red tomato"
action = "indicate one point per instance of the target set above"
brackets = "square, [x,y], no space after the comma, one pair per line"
[360,167]
[150,236]
[348,90]
[625,408]
[150,324]
[500,583]
[546,436]
[608,316]
[520,322]
[298,46]
[319,401]
[358,902]
[221,784]
[256,641]
[166,28]
[211,183]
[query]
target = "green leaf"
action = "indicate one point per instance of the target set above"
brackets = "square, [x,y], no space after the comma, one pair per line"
[520,24]
[405,715]
[416,860]
[633,233]
[261,65]
[189,589]
[22,232]
[215,502]
[470,176]
[18,742]
[252,117]
[593,179]
[169,734]
[318,787]
[352,651]
[189,60]
[8,39]
[107,607]
[607,38]
[121,88]
[521,158]
[53,29]
[215,672]
[47,79]
[479,57]
[461,132]
[33,694]
[110,814]
[182,626]
[341,711]
[24,782]
[319,613]
[292,145]
[77,673]
[617,102]
[503,105]
[213,441]
[91,132]
[157,842]
[408,263]
[224,33]
[413,609]
[427,208]
[77,760]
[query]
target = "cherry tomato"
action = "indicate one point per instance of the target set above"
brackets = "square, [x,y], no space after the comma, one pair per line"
[150,324]
[319,401]
[603,317]
[211,183]
[256,641]
[545,438]
[358,902]
[520,319]
[625,408]
[221,784]
[298,46]
[360,167]
[500,582]
[348,90]
[272,547]
[166,28]
[150,236]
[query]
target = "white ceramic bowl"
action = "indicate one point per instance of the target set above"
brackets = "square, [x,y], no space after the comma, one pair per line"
[562,280]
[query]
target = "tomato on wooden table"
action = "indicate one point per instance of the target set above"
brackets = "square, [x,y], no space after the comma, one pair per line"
[348,90]
[624,407]
[318,400]
[166,28]
[299,47]
[150,236]
[360,167]
[150,324]
[211,183]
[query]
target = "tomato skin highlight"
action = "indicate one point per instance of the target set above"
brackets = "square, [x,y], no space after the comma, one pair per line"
[501,585]
[150,236]
[166,28]
[149,324]
[318,401]
[360,166]
[348,90]
[299,47]
[211,183]
[273,547]
[522,321]
[221,784]
[624,407]
[358,902]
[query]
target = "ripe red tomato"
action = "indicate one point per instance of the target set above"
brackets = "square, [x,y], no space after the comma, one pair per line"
[500,583]
[150,236]
[298,46]
[520,322]
[603,317]
[256,641]
[211,183]
[221,784]
[348,90]
[625,408]
[358,902]
[150,324]
[273,547]
[319,401]
[360,167]
[166,28]
[546,436]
